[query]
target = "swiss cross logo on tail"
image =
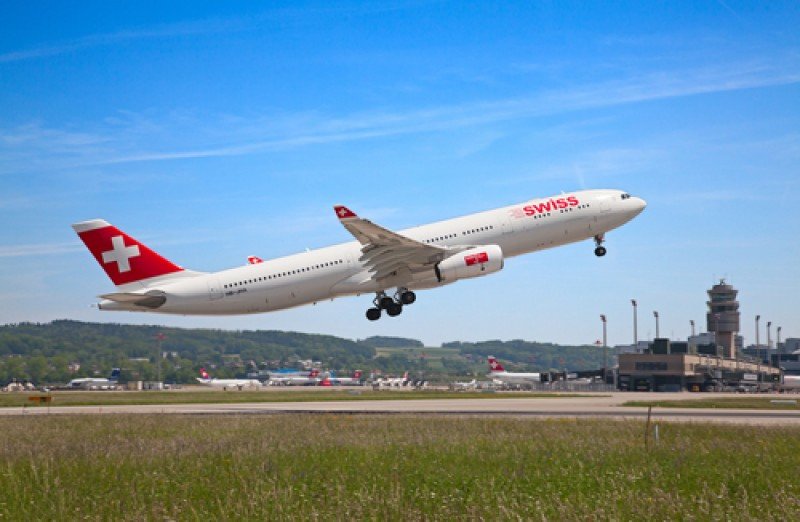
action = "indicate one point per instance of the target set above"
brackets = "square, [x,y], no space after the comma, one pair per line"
[494,365]
[203,373]
[120,254]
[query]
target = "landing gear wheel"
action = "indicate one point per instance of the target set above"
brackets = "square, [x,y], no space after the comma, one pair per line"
[394,309]
[386,302]
[408,297]
[373,314]
[600,251]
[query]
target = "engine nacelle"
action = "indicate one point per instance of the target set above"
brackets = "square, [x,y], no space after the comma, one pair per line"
[477,261]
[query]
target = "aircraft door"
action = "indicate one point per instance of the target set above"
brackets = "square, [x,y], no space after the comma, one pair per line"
[214,288]
[509,224]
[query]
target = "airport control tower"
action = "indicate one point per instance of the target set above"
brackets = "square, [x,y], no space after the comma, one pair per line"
[723,317]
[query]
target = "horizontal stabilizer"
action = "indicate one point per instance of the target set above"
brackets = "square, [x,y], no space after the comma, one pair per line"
[148,300]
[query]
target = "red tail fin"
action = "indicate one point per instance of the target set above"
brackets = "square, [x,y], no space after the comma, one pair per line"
[494,365]
[357,374]
[314,373]
[204,373]
[124,259]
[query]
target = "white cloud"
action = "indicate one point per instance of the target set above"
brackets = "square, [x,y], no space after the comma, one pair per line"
[130,138]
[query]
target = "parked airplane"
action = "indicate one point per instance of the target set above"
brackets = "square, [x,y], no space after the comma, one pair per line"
[498,373]
[227,384]
[354,380]
[310,378]
[471,385]
[397,381]
[96,383]
[380,261]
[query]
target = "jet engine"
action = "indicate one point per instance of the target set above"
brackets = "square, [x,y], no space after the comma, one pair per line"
[476,261]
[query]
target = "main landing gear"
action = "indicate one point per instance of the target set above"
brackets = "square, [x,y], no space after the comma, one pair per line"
[600,251]
[392,305]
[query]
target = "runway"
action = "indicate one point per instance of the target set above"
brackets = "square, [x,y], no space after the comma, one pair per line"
[607,406]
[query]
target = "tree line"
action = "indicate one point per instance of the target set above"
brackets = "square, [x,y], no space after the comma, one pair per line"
[44,353]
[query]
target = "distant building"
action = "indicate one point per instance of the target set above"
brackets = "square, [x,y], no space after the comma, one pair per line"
[708,361]
[723,316]
[707,338]
[642,347]
[680,371]
[791,345]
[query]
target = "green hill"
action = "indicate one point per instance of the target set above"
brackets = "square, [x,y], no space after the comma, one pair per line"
[44,353]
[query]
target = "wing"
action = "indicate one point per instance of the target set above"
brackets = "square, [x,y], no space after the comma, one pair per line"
[388,253]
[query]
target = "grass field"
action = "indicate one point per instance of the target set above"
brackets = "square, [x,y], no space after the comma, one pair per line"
[300,467]
[744,403]
[206,396]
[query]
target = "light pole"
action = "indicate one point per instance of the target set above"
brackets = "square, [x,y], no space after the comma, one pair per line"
[778,346]
[769,336]
[691,323]
[769,339]
[758,343]
[605,349]
[655,314]
[635,326]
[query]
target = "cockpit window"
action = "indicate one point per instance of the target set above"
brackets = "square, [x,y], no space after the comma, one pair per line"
[625,196]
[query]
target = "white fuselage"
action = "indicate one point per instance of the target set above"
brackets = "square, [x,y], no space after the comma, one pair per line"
[336,271]
[91,383]
[297,380]
[515,377]
[230,384]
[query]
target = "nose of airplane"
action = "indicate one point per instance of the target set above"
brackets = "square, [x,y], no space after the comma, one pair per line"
[638,203]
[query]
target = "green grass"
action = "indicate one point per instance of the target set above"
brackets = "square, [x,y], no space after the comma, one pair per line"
[206,396]
[416,352]
[744,403]
[301,467]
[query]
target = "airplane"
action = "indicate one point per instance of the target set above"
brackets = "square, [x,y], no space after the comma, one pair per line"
[398,381]
[354,380]
[392,382]
[471,385]
[227,384]
[310,378]
[96,383]
[498,373]
[390,264]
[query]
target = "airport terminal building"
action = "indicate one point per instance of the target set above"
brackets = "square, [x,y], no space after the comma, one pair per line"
[699,365]
[692,371]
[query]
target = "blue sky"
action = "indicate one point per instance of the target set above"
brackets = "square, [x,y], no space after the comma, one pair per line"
[215,131]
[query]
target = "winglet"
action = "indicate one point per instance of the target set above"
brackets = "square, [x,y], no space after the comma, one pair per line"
[343,212]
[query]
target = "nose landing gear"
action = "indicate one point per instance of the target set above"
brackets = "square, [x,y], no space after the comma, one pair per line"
[393,306]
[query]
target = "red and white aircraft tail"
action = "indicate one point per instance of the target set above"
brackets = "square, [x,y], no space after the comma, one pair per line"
[494,365]
[124,259]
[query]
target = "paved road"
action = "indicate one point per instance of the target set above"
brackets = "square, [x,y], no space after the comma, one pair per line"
[599,406]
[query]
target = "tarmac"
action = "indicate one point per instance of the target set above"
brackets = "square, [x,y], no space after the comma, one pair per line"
[604,406]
